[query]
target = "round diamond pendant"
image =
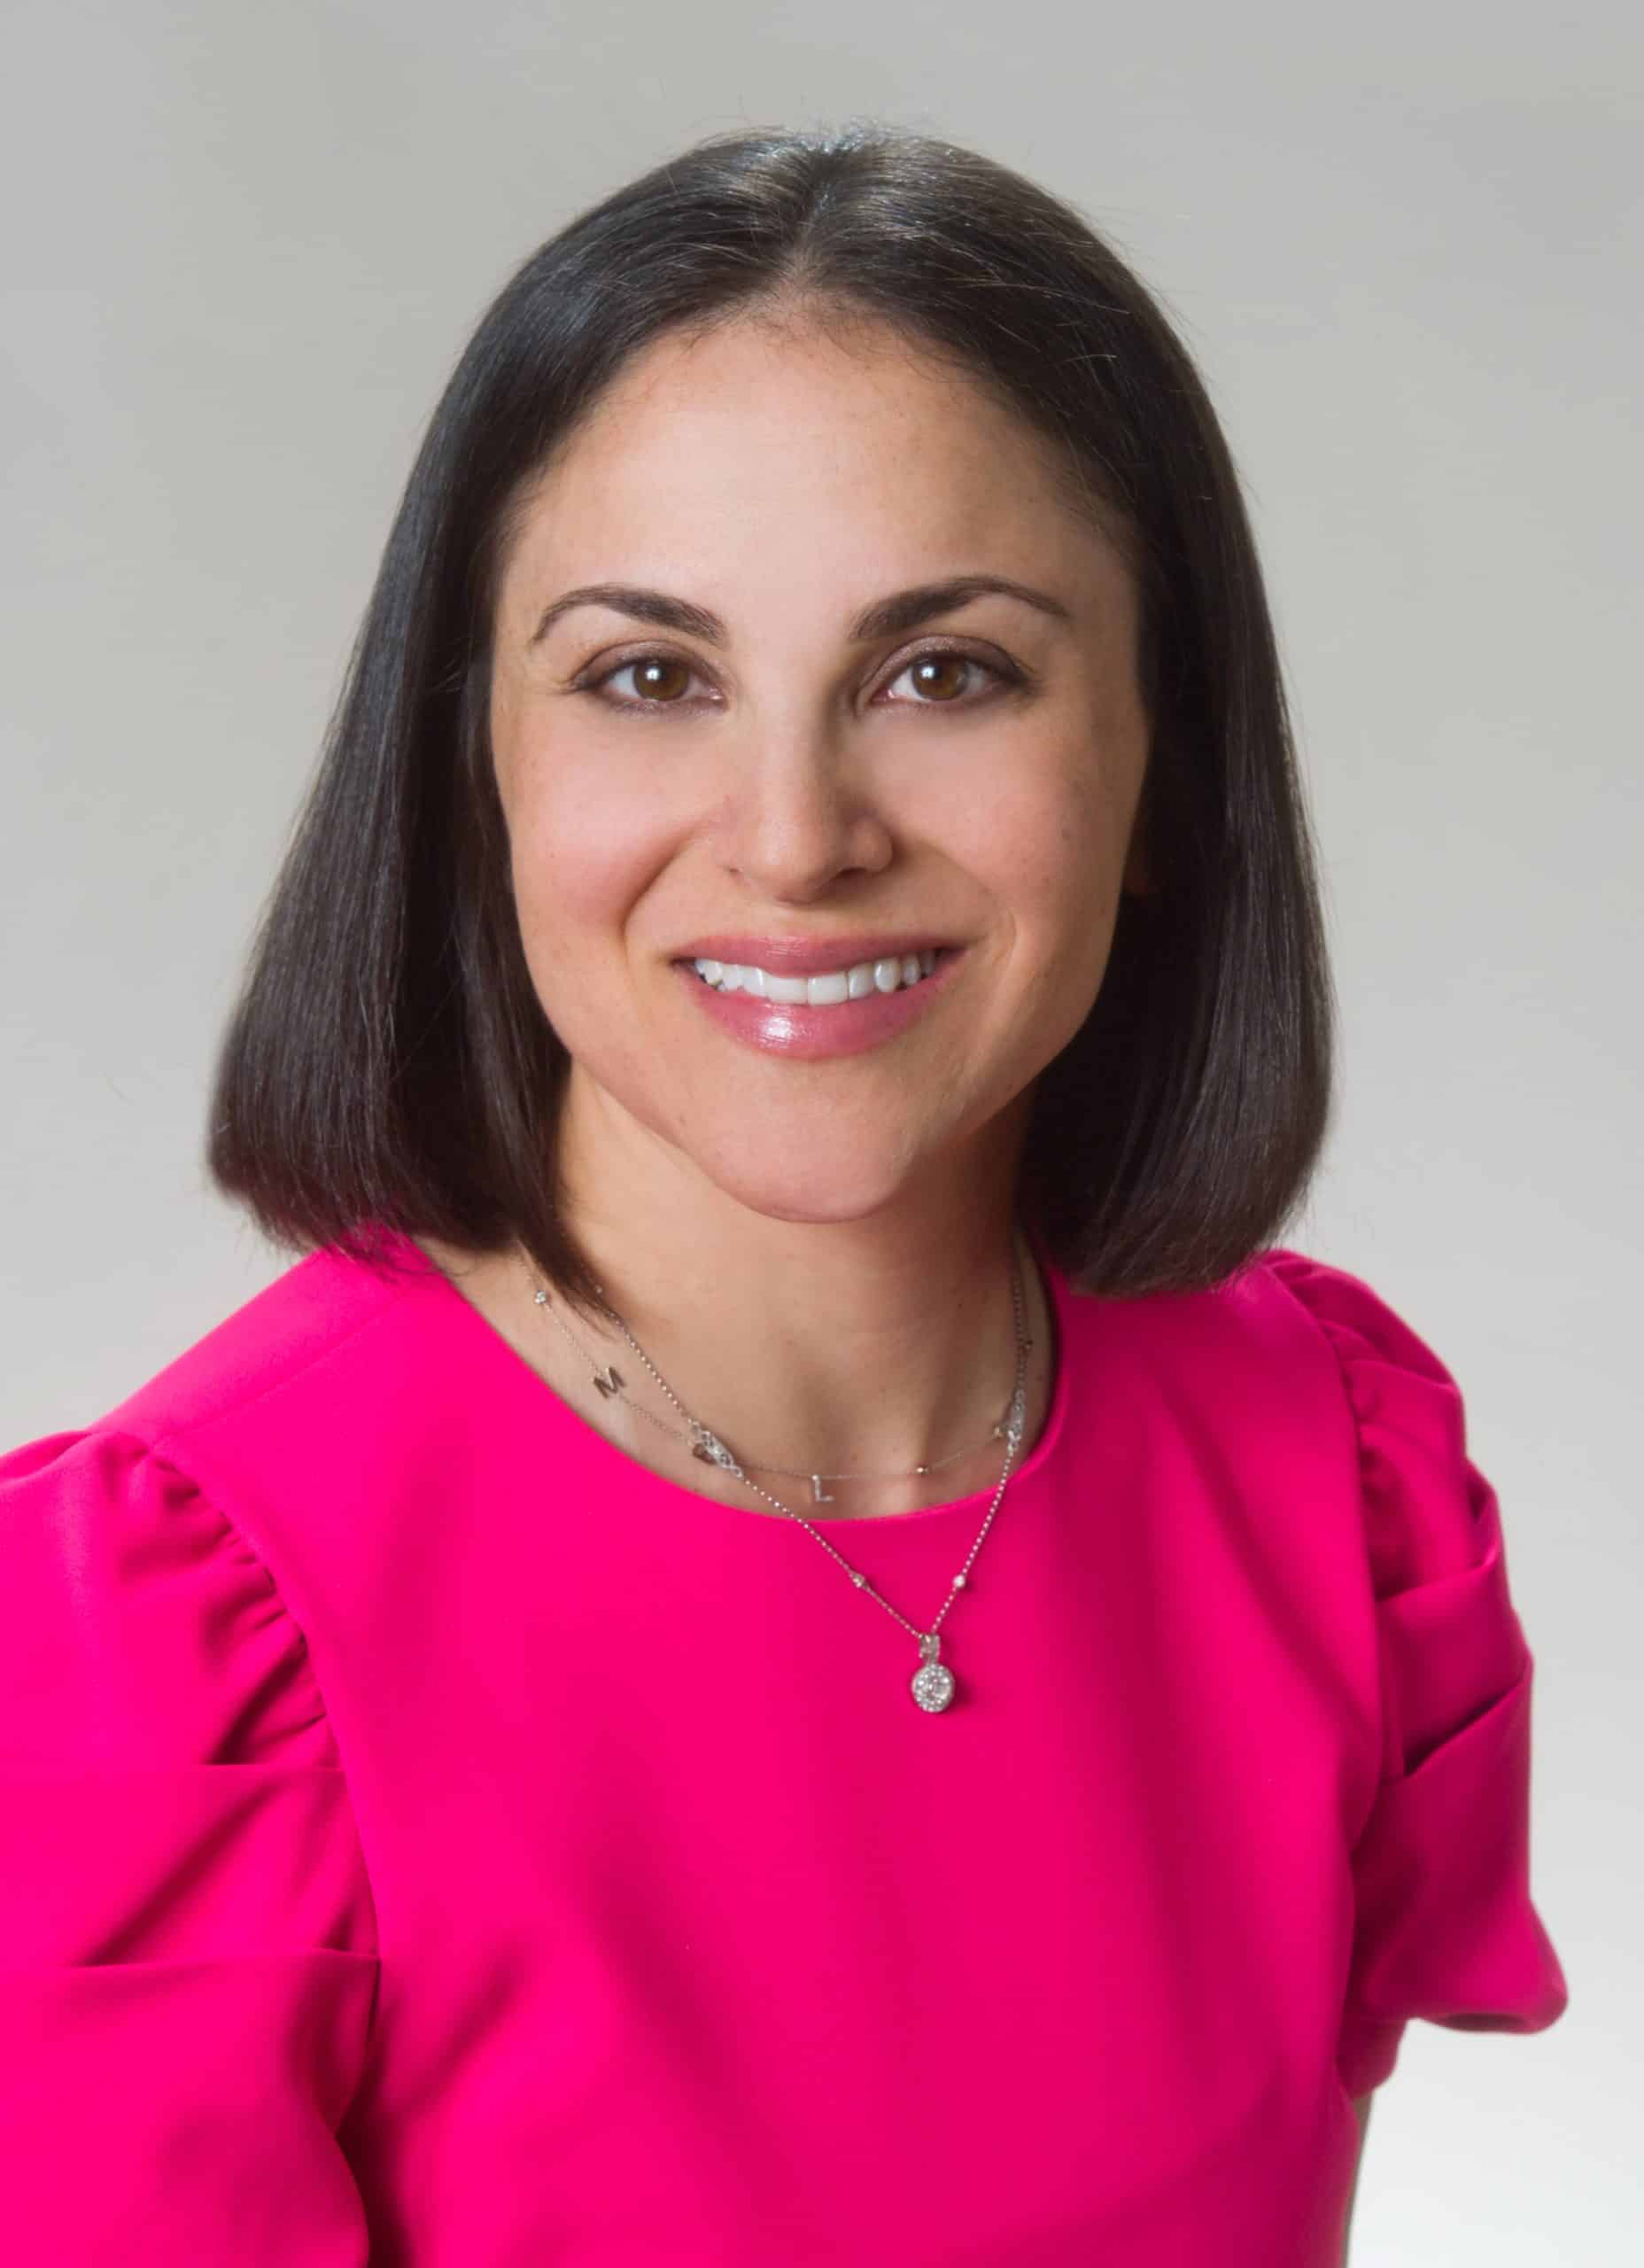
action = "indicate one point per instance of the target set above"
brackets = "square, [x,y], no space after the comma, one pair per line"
[933,1681]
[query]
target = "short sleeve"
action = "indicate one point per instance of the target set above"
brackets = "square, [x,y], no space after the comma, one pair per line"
[1444,1926]
[187,1940]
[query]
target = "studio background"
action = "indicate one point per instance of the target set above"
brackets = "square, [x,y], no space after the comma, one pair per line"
[245,249]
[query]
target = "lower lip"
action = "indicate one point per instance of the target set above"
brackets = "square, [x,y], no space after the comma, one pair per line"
[783,1027]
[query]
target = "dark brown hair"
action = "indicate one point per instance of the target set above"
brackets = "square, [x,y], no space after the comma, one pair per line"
[388,1061]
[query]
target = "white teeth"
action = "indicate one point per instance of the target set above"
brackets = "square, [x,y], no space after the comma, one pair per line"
[826,992]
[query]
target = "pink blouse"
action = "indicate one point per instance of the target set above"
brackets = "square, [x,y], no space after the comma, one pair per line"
[430,1837]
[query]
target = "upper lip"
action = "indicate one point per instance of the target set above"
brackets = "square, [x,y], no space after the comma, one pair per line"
[811,956]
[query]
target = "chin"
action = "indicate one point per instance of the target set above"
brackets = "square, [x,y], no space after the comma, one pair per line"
[822,1184]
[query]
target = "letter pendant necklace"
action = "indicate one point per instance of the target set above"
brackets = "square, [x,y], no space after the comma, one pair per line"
[932,1684]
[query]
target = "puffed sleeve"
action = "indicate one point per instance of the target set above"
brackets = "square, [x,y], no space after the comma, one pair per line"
[187,1939]
[1444,1927]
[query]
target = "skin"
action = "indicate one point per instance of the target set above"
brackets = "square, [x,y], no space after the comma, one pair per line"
[814,1255]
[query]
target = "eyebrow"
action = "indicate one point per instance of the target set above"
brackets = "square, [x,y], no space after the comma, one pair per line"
[888,618]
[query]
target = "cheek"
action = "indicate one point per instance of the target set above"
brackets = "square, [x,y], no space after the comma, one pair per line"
[572,896]
[1053,849]
[1065,885]
[581,854]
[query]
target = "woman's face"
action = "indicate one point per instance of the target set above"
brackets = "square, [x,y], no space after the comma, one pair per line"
[973,780]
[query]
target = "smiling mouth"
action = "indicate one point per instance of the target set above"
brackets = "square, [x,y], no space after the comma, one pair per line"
[834,988]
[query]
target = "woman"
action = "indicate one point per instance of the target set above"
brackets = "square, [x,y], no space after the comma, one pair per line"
[795,1638]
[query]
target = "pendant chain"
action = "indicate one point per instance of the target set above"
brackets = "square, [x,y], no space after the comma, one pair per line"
[932,1683]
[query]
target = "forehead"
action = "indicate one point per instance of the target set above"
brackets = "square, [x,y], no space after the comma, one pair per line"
[753,445]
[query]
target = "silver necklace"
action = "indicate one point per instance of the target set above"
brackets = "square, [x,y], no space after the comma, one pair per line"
[932,1683]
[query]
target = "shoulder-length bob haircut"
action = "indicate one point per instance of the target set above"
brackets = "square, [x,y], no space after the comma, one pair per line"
[388,1061]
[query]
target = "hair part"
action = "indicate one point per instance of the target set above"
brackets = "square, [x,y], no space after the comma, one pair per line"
[388,1064]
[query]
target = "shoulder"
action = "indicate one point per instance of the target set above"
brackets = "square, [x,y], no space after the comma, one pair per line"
[1357,1322]
[1297,1341]
[1284,1302]
[1289,1348]
[324,1313]
[1430,1513]
[1316,1389]
[329,1367]
[165,1740]
[143,1611]
[136,1623]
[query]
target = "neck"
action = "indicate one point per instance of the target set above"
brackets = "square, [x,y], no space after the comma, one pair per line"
[866,1347]
[886,1395]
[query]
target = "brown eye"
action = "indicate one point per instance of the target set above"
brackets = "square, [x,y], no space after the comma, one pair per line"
[939,678]
[658,679]
[942,675]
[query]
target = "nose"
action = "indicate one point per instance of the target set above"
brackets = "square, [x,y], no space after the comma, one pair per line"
[799,811]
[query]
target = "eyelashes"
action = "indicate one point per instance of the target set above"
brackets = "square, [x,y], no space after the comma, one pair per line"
[1005,677]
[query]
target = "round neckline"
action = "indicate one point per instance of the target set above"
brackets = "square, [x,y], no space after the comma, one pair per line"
[470,1321]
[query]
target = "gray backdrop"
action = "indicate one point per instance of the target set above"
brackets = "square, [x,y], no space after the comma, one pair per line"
[244,247]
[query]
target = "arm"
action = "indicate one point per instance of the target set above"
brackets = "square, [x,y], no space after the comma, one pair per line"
[188,1945]
[1361,2112]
